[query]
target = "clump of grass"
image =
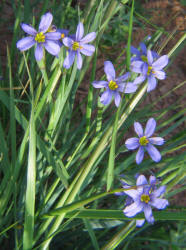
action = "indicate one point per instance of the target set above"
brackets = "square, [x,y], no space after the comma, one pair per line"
[60,169]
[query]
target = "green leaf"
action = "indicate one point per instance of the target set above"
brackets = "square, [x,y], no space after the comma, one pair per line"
[31,179]
[119,215]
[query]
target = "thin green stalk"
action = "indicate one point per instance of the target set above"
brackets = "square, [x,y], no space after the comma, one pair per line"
[101,214]
[88,9]
[12,112]
[181,40]
[42,67]
[31,178]
[98,130]
[110,175]
[81,203]
[129,37]
[91,233]
[74,188]
[120,236]
[13,136]
[90,94]
[76,151]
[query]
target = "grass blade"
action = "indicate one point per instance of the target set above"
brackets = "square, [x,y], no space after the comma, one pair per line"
[31,179]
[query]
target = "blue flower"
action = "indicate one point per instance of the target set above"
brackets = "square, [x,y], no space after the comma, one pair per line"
[45,37]
[141,54]
[114,85]
[142,198]
[145,142]
[64,33]
[150,70]
[77,46]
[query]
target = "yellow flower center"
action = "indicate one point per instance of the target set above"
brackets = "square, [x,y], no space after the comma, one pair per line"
[150,70]
[40,37]
[62,35]
[150,191]
[145,198]
[143,141]
[144,58]
[112,85]
[76,46]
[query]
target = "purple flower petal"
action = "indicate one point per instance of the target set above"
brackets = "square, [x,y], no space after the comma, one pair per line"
[89,37]
[39,52]
[139,79]
[132,143]
[135,58]
[148,214]
[79,60]
[155,55]
[138,129]
[156,140]
[121,86]
[123,77]
[79,31]
[153,152]
[160,63]
[25,43]
[87,49]
[145,68]
[160,74]
[133,209]
[136,66]
[139,223]
[45,22]
[117,98]
[150,127]
[130,87]
[106,97]
[134,50]
[109,70]
[63,32]
[143,48]
[28,29]
[69,59]
[152,82]
[99,84]
[152,180]
[158,192]
[140,155]
[53,35]
[68,42]
[132,193]
[141,180]
[52,47]
[128,201]
[149,57]
[119,193]
[159,203]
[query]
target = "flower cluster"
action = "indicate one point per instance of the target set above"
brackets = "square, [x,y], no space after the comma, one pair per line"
[52,39]
[147,63]
[142,198]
